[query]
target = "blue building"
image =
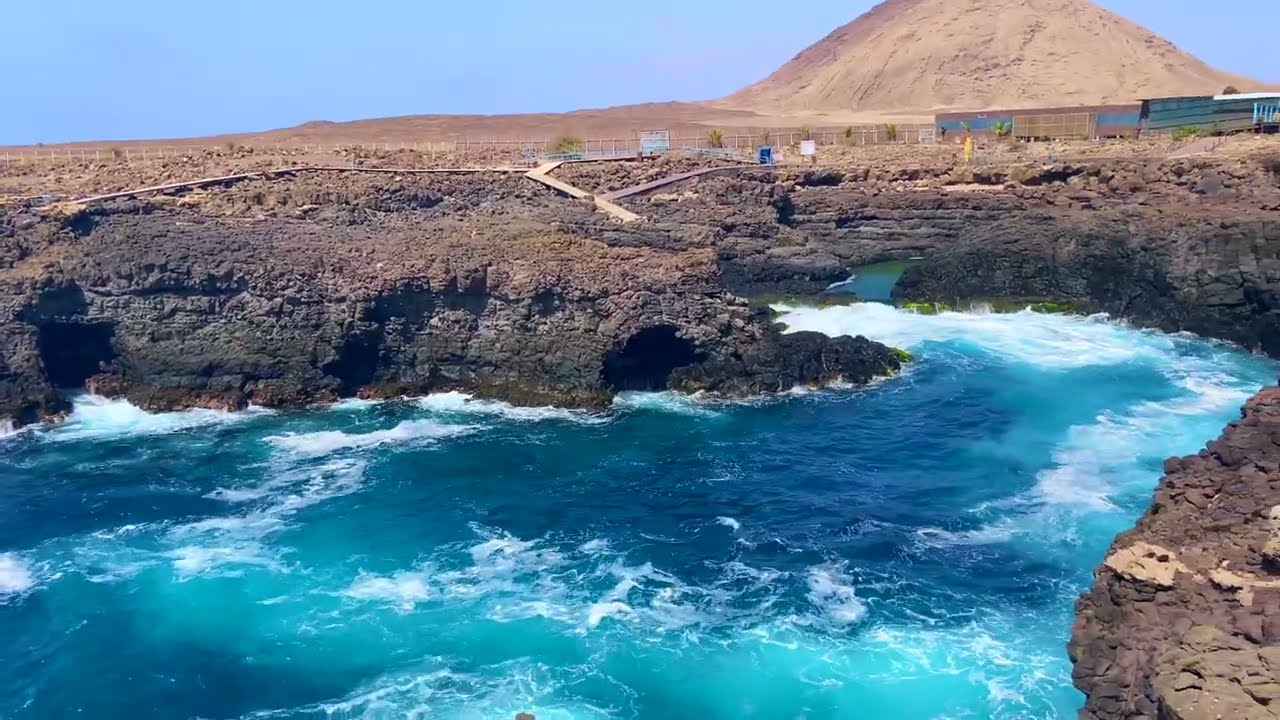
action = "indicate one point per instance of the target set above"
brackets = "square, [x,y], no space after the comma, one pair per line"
[1211,113]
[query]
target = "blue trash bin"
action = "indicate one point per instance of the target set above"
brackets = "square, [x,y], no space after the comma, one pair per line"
[765,155]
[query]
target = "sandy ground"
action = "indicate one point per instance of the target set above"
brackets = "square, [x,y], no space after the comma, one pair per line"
[974,54]
[76,177]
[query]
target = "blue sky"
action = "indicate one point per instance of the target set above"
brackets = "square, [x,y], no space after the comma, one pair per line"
[94,69]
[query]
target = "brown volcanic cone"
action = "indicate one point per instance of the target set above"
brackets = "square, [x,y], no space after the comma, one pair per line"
[915,55]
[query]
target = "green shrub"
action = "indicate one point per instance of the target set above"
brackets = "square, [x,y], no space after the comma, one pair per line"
[926,308]
[569,144]
[1186,132]
[891,132]
[716,136]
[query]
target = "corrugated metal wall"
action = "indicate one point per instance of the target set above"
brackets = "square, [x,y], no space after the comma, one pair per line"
[1201,113]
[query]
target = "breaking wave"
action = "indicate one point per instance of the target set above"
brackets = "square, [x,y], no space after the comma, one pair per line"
[456,403]
[325,442]
[15,576]
[94,417]
[909,550]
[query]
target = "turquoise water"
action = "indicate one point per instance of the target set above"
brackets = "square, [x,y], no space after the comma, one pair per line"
[910,550]
[873,282]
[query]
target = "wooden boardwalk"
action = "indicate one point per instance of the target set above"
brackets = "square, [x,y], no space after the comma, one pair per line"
[542,174]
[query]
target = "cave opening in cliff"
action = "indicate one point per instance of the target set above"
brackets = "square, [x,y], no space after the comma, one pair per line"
[73,352]
[356,364]
[647,359]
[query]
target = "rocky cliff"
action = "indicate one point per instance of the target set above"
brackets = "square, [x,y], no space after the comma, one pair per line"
[1191,244]
[1183,621]
[287,292]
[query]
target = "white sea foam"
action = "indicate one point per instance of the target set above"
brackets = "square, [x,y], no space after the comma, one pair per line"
[403,590]
[730,523]
[1043,340]
[668,402]
[832,592]
[193,560]
[1109,454]
[461,403]
[227,544]
[993,534]
[16,577]
[325,442]
[354,405]
[439,690]
[95,417]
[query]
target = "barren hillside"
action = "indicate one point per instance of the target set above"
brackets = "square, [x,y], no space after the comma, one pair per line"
[915,55]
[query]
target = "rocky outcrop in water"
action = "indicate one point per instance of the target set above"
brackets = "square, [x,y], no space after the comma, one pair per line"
[1183,621]
[289,292]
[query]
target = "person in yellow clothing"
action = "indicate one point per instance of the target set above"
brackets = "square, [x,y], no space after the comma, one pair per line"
[968,148]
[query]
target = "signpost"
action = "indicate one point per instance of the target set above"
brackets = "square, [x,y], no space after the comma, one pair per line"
[655,142]
[809,149]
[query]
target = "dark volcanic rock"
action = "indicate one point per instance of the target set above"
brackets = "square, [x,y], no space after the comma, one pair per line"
[1188,269]
[292,292]
[1186,245]
[1183,621]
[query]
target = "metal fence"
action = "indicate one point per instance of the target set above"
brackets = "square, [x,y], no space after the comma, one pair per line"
[592,148]
[1077,126]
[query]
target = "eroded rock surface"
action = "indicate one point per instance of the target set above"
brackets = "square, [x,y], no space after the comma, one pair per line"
[1191,244]
[1183,621]
[295,291]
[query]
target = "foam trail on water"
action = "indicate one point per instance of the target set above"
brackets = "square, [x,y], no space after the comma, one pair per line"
[94,417]
[15,576]
[229,544]
[993,534]
[325,442]
[462,403]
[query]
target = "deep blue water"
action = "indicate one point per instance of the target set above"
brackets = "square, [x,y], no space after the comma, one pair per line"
[906,551]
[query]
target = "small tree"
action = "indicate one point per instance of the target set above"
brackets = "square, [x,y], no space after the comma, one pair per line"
[891,132]
[766,138]
[942,131]
[1004,128]
[1231,90]
[806,133]
[848,135]
[717,138]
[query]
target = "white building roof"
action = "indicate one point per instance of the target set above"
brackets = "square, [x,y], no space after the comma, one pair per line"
[1249,96]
